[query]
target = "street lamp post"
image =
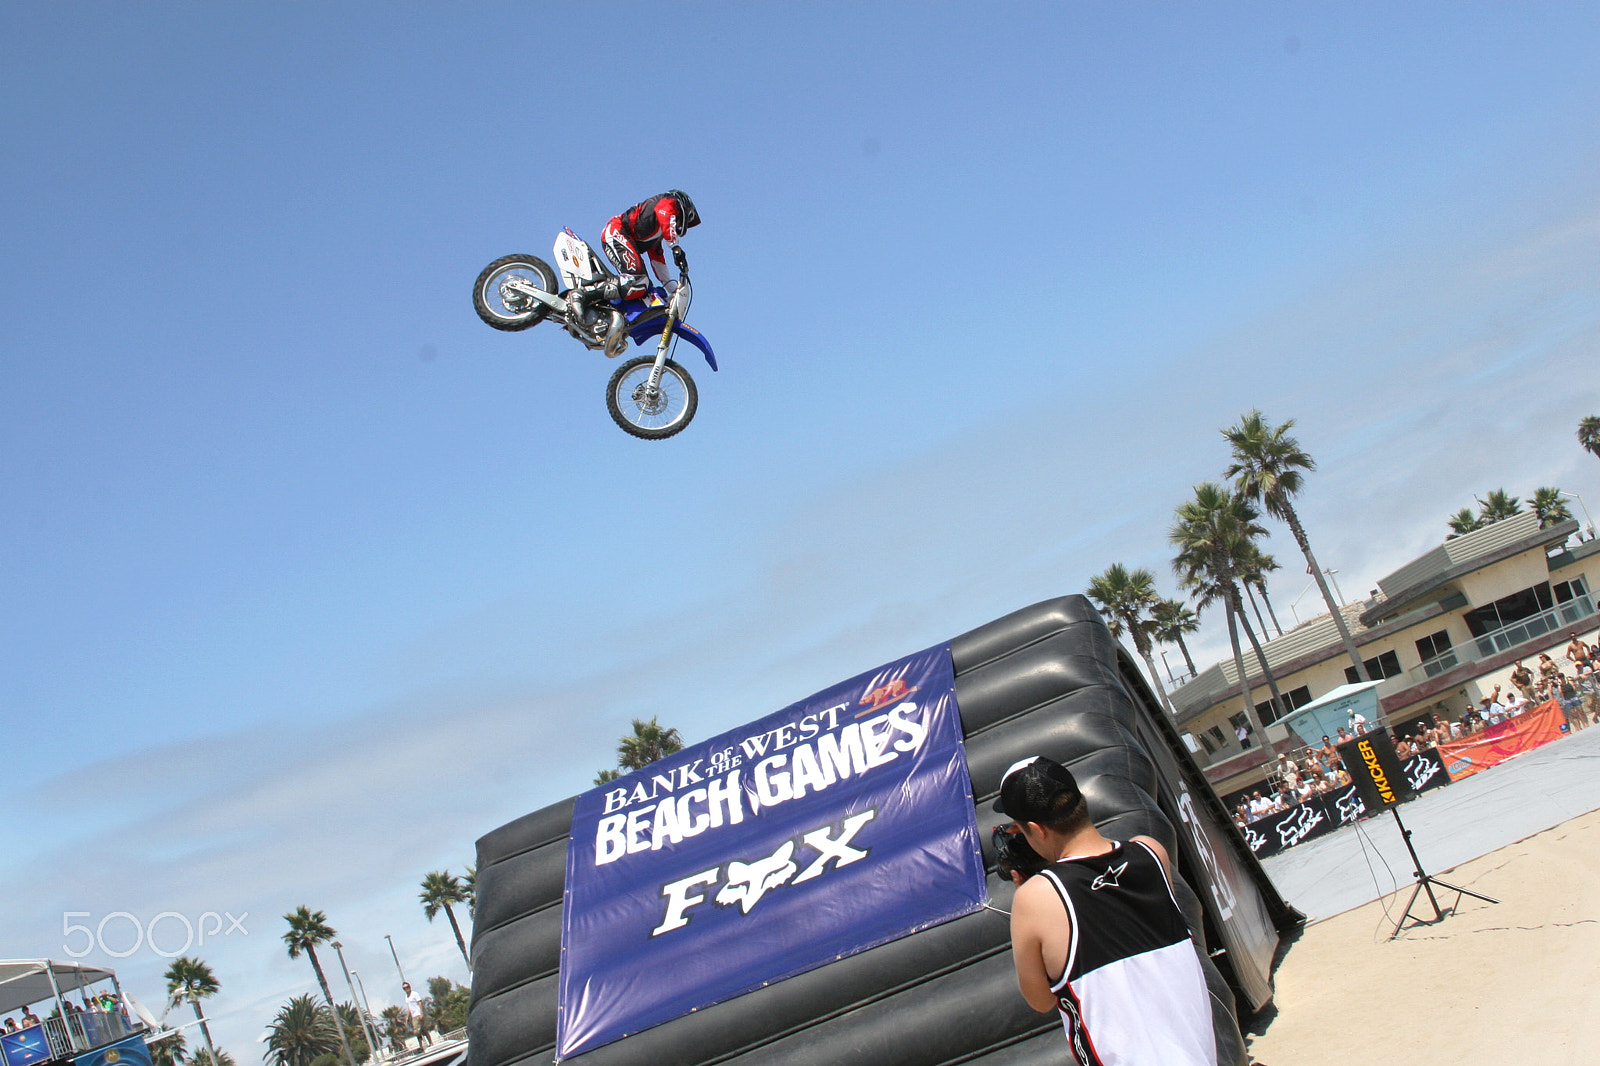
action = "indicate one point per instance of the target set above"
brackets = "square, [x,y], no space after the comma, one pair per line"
[1575,496]
[366,1023]
[396,955]
[365,1005]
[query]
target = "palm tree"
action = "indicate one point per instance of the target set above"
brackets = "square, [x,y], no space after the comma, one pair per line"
[605,777]
[1266,469]
[1589,434]
[469,885]
[1498,505]
[440,889]
[1253,573]
[193,980]
[355,1025]
[1171,619]
[648,743]
[1210,531]
[1127,597]
[1549,506]
[307,929]
[203,1058]
[302,1031]
[1463,522]
[1210,590]
[395,1026]
[170,1050]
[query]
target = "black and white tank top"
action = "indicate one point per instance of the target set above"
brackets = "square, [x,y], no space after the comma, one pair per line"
[1132,992]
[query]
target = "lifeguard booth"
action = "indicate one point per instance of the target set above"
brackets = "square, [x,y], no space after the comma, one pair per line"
[73,1026]
[1322,717]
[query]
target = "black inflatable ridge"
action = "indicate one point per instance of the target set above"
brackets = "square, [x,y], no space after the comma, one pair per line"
[1048,679]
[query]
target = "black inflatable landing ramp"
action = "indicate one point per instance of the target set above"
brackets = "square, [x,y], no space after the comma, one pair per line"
[1047,680]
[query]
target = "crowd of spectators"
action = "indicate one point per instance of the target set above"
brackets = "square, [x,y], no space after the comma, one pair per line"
[1296,778]
[28,1018]
[104,1001]
[1574,686]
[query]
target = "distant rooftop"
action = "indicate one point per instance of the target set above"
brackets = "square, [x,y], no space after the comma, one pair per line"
[1403,589]
[1309,639]
[1462,555]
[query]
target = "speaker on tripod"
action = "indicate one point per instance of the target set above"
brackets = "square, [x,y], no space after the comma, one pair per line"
[1374,767]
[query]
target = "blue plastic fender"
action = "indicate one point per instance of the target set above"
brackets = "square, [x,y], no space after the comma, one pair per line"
[650,331]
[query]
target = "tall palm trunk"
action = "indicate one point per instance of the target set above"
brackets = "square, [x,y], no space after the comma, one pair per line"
[460,943]
[1266,671]
[1244,682]
[1254,606]
[1142,642]
[1270,612]
[205,1030]
[344,1043]
[1327,596]
[1187,658]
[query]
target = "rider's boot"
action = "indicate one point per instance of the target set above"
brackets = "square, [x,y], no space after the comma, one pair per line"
[576,298]
[611,290]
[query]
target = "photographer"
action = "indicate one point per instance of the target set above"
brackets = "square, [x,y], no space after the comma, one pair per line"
[1097,935]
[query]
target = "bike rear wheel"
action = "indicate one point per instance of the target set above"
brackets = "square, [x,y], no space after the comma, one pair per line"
[651,414]
[500,305]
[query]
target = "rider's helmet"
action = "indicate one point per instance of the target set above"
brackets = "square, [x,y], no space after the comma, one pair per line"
[686,210]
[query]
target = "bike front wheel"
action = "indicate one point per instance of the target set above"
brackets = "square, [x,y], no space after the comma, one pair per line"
[496,298]
[651,413]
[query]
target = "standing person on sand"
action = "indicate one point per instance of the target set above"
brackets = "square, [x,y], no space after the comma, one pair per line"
[1097,935]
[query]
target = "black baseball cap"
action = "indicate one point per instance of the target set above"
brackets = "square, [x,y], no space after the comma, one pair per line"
[1038,789]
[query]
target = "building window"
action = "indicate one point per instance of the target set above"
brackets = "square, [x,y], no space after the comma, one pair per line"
[1380,668]
[1218,735]
[1509,610]
[1571,590]
[1528,615]
[1295,698]
[1435,653]
[1241,721]
[1433,645]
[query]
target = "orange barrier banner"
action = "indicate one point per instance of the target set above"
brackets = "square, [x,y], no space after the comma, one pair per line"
[1497,743]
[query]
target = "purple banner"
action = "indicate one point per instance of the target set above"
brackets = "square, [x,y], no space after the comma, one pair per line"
[839,823]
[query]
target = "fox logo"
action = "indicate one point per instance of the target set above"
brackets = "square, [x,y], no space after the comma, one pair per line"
[749,881]
[744,884]
[885,694]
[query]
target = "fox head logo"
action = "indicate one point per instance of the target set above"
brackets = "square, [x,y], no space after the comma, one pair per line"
[749,881]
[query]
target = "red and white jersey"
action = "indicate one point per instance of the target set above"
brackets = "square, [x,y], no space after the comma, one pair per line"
[1132,992]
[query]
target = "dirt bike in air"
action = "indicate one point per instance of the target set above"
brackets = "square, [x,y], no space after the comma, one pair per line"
[649,396]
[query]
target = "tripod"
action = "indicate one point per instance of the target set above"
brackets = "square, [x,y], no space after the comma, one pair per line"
[1425,883]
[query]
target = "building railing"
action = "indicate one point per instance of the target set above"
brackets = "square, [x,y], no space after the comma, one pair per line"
[1535,626]
[1446,660]
[82,1031]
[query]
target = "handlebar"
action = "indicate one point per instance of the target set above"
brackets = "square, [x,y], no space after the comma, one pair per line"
[681,260]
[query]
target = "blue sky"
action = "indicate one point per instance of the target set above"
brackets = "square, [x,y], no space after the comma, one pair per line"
[311,578]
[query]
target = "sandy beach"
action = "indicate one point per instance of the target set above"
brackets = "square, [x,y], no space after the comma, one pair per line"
[1512,981]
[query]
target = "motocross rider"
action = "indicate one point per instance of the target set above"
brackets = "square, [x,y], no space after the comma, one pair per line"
[629,239]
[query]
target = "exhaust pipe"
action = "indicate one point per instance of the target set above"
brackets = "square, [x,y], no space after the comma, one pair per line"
[617,335]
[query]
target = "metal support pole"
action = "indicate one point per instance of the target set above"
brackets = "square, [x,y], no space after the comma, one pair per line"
[366,1024]
[376,1048]
[396,955]
[1426,883]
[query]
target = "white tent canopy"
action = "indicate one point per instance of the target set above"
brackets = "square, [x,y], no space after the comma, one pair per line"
[27,981]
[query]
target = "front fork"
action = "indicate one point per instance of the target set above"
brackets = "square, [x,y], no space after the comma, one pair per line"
[663,347]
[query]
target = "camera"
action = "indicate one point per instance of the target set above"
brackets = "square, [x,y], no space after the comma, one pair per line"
[1013,852]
